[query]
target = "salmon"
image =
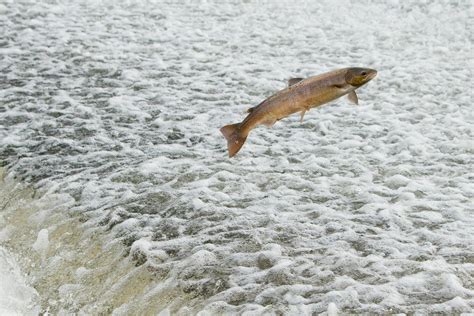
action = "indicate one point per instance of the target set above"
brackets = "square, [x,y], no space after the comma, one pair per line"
[300,96]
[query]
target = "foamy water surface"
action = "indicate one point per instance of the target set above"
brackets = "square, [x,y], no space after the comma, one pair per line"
[115,106]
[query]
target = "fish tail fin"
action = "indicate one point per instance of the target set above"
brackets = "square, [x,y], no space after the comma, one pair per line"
[235,139]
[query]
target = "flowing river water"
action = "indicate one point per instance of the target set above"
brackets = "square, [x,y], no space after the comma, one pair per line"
[117,195]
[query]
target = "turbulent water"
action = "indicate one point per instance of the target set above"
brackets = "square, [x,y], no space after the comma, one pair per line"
[112,109]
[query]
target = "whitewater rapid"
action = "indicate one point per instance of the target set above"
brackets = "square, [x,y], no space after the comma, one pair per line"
[118,196]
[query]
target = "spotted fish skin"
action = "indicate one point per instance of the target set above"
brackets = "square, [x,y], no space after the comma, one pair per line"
[300,96]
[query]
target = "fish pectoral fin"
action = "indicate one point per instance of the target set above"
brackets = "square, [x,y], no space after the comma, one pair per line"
[352,96]
[302,115]
[293,81]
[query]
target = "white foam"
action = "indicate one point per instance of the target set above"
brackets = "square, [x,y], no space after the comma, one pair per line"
[118,106]
[332,309]
[41,244]
[16,296]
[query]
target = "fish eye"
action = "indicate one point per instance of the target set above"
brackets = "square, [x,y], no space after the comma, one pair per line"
[363,73]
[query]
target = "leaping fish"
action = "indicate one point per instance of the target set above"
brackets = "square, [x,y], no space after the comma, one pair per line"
[300,96]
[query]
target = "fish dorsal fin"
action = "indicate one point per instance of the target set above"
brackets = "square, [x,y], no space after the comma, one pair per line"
[353,97]
[293,81]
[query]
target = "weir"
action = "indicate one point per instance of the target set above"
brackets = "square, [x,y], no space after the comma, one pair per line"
[76,268]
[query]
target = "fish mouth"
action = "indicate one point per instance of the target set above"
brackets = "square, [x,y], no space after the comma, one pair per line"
[372,75]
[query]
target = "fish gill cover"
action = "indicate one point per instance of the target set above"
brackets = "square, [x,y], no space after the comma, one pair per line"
[115,106]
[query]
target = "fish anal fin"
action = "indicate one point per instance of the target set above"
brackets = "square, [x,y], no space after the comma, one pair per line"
[352,96]
[293,81]
[269,122]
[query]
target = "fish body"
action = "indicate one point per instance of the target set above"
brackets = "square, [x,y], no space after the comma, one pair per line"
[300,96]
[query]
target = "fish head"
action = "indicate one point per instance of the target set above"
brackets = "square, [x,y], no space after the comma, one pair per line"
[359,76]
